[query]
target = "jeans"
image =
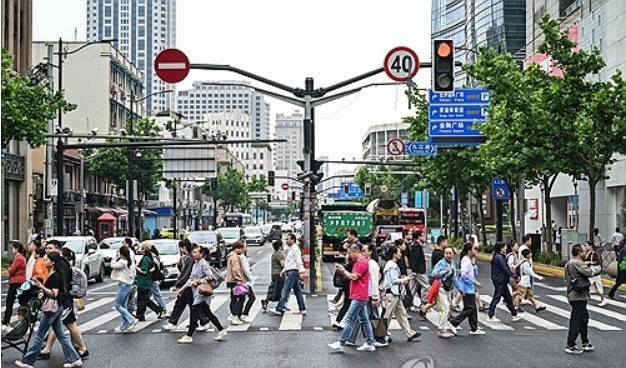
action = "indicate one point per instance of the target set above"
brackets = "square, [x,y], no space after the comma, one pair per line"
[11,295]
[47,321]
[501,290]
[158,297]
[358,309]
[292,281]
[123,291]
[578,323]
[250,300]
[236,301]
[144,301]
[469,311]
[344,307]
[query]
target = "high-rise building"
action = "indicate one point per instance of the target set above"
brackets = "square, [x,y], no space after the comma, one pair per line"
[290,128]
[448,22]
[142,28]
[207,97]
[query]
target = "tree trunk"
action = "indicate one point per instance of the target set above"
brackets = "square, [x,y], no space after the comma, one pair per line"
[482,220]
[548,182]
[512,218]
[593,182]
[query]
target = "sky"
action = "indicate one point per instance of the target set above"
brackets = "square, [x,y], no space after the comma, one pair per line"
[287,41]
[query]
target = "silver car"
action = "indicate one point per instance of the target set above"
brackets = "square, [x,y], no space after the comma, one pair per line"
[109,247]
[88,258]
[254,235]
[169,253]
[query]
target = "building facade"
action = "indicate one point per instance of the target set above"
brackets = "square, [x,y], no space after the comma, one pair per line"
[290,128]
[448,22]
[206,97]
[375,140]
[105,101]
[143,28]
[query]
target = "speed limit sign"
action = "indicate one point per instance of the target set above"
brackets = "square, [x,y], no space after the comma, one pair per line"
[401,64]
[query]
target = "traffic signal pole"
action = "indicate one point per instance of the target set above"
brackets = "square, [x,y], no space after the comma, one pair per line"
[307,98]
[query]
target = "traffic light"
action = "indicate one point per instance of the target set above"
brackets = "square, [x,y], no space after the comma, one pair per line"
[293,195]
[213,184]
[443,65]
[368,189]
[346,187]
[269,198]
[270,178]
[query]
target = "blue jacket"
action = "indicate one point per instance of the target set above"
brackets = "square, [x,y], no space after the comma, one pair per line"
[440,270]
[500,271]
[465,282]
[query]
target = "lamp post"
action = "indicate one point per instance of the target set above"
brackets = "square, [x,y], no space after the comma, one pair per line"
[131,152]
[575,203]
[60,144]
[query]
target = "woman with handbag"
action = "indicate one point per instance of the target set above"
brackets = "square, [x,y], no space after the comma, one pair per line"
[199,282]
[144,283]
[445,271]
[595,262]
[501,274]
[55,298]
[621,269]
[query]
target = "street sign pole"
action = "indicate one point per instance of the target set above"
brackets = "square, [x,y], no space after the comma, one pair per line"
[499,213]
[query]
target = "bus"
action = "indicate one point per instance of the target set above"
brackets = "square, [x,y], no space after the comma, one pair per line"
[237,219]
[412,219]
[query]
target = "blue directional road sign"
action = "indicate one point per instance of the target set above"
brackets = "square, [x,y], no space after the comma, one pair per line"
[452,115]
[453,129]
[420,148]
[354,191]
[500,189]
[460,96]
[449,112]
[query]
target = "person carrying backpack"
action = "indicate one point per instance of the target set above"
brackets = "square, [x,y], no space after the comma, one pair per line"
[525,287]
[145,283]
[158,276]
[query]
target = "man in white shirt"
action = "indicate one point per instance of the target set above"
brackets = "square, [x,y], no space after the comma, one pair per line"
[293,273]
[615,240]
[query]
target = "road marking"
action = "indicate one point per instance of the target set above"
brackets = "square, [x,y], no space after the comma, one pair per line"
[256,307]
[592,323]
[592,308]
[94,305]
[317,328]
[609,301]
[260,252]
[91,324]
[555,288]
[290,321]
[529,317]
[141,325]
[264,329]
[100,332]
[101,287]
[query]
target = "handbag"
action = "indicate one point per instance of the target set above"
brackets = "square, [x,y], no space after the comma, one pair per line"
[205,289]
[379,327]
[80,304]
[50,306]
[448,283]
[338,280]
[431,295]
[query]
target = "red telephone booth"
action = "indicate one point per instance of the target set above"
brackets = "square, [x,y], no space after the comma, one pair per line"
[106,226]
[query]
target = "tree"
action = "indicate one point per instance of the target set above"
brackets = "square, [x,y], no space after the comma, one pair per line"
[232,189]
[257,184]
[27,106]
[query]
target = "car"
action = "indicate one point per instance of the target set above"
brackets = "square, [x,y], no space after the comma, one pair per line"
[286,228]
[169,253]
[231,235]
[382,232]
[108,249]
[254,235]
[214,241]
[88,257]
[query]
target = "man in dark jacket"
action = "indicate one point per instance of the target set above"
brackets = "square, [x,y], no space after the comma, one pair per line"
[417,263]
[500,275]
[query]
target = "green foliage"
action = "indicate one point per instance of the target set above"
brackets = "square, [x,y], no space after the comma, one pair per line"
[396,183]
[232,189]
[113,165]
[257,184]
[550,258]
[27,107]
[486,248]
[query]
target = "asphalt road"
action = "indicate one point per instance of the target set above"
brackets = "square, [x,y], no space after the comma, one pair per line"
[291,340]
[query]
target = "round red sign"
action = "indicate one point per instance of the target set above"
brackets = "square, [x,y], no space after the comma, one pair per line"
[284,186]
[171,65]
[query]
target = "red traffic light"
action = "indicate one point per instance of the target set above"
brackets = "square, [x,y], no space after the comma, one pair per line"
[445,49]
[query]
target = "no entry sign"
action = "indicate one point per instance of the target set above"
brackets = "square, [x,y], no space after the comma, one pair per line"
[171,65]
[284,186]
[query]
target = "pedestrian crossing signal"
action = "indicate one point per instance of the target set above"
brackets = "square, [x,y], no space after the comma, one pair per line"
[443,66]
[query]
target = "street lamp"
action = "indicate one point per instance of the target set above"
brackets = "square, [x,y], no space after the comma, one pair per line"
[131,151]
[60,144]
[575,203]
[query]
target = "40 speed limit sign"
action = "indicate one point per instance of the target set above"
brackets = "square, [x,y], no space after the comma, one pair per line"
[401,64]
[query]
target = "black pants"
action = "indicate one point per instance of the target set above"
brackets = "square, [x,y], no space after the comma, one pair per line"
[275,289]
[182,301]
[338,296]
[501,291]
[236,301]
[578,322]
[469,311]
[250,298]
[11,295]
[143,302]
[344,308]
[614,289]
[197,312]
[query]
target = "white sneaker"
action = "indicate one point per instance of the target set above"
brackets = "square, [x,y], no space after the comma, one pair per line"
[203,327]
[245,319]
[23,365]
[170,327]
[132,325]
[493,319]
[336,346]
[453,329]
[236,321]
[380,344]
[302,312]
[366,347]
[603,302]
[185,340]
[525,301]
[350,343]
[519,317]
[230,317]
[220,335]
[477,332]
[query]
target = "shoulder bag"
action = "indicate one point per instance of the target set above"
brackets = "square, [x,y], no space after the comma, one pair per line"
[50,306]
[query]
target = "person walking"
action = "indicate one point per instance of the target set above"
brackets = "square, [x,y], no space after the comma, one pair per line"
[144,283]
[276,285]
[417,265]
[621,269]
[250,297]
[500,275]
[55,291]
[17,276]
[577,275]
[525,286]
[184,297]
[594,260]
[467,287]
[393,286]
[294,273]
[616,239]
[597,239]
[445,271]
[123,271]
[437,255]
[235,276]
[359,293]
[155,290]
[200,274]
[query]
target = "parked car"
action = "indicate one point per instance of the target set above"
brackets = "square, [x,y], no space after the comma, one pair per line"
[88,258]
[109,247]
[254,235]
[170,255]
[214,241]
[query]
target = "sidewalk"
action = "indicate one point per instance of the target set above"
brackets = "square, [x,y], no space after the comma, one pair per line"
[551,270]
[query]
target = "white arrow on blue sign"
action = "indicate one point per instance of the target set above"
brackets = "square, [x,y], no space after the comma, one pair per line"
[420,148]
[460,96]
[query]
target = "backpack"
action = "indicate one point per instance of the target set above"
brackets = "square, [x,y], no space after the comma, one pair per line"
[216,279]
[156,270]
[518,268]
[78,288]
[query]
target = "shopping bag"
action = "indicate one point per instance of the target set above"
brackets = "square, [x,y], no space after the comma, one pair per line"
[431,295]
[379,326]
[80,304]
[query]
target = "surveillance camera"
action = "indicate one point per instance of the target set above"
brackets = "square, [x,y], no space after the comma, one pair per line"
[94,131]
[123,132]
[58,130]
[68,130]
[304,175]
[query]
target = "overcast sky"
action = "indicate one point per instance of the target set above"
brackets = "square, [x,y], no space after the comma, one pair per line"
[287,41]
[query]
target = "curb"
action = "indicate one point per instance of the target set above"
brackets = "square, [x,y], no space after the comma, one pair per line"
[550,270]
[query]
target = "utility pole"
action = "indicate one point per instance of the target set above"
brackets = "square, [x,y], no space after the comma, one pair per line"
[49,152]
[59,153]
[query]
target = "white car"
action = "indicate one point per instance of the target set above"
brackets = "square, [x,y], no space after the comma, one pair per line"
[231,235]
[88,258]
[109,247]
[254,235]
[169,253]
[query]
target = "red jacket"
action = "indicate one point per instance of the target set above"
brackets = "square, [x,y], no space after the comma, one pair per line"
[17,270]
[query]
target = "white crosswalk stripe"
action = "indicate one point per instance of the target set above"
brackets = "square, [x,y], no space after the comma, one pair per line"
[592,308]
[528,317]
[291,321]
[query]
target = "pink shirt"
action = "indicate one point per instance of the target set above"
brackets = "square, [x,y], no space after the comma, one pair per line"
[360,288]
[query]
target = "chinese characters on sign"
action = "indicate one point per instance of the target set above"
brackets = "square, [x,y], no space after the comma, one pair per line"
[533,208]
